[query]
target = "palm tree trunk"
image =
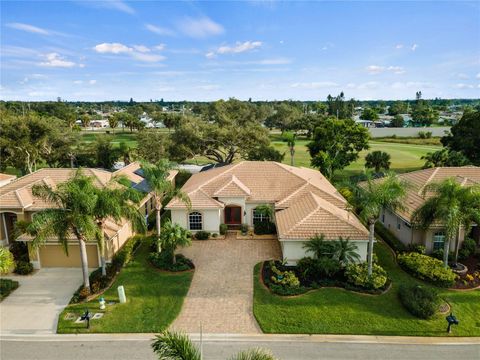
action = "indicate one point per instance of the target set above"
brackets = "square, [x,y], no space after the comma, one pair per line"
[446,251]
[292,155]
[371,236]
[103,262]
[84,260]
[158,223]
[457,246]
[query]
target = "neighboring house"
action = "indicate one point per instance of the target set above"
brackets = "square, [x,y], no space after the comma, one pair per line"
[18,203]
[400,222]
[305,204]
[6,179]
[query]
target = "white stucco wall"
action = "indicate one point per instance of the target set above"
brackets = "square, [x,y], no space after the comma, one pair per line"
[210,218]
[293,250]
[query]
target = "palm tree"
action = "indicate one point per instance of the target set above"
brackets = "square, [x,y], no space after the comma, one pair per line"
[177,346]
[173,236]
[374,196]
[377,160]
[161,188]
[73,214]
[451,204]
[345,252]
[319,246]
[117,203]
[290,138]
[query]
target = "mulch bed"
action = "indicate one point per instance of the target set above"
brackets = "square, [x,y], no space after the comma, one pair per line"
[465,282]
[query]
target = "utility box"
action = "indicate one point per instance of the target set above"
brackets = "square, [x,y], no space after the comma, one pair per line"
[121,294]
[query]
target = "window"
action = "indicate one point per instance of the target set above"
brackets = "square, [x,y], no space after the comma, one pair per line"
[195,220]
[146,209]
[259,217]
[438,240]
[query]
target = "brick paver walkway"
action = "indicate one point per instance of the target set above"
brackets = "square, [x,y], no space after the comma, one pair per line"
[221,294]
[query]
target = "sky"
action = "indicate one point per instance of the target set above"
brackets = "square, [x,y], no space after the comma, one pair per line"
[264,50]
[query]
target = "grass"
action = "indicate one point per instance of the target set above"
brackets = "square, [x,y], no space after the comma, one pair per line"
[118,137]
[154,300]
[337,311]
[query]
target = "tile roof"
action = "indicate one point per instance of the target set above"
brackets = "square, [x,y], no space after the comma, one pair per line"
[290,188]
[312,215]
[417,180]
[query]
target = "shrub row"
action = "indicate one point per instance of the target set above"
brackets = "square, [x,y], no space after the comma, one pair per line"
[420,301]
[99,282]
[357,274]
[427,268]
[389,238]
[202,235]
[6,287]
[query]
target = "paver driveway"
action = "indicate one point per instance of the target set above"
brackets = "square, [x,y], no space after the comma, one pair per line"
[221,294]
[34,307]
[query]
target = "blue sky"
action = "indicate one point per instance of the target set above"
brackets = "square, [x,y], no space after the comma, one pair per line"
[192,50]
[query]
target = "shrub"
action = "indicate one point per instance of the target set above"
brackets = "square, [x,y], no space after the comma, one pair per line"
[315,270]
[164,259]
[287,290]
[19,251]
[468,248]
[420,249]
[427,268]
[264,227]
[125,254]
[389,238]
[420,301]
[202,235]
[424,134]
[6,287]
[83,293]
[357,274]
[214,235]
[284,278]
[223,229]
[244,228]
[6,260]
[438,254]
[23,268]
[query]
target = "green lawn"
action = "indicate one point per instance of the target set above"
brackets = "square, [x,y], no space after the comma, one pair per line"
[337,311]
[118,137]
[154,300]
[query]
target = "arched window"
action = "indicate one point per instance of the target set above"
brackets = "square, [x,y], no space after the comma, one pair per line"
[259,216]
[195,220]
[438,240]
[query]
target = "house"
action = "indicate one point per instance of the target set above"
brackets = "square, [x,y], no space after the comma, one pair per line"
[6,179]
[400,222]
[305,204]
[18,203]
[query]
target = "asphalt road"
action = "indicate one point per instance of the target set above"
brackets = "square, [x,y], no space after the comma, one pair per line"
[287,349]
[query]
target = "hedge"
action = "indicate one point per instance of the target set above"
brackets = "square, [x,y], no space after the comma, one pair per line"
[6,287]
[427,268]
[389,238]
[420,301]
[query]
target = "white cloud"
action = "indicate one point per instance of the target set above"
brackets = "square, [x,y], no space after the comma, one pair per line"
[159,47]
[315,85]
[200,27]
[463,86]
[414,47]
[462,76]
[368,85]
[399,46]
[28,28]
[238,48]
[141,48]
[92,82]
[55,60]
[411,85]
[118,5]
[78,82]
[477,76]
[159,30]
[377,69]
[274,61]
[112,48]
[147,57]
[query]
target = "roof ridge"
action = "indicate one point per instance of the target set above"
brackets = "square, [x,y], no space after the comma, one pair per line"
[293,193]
[305,218]
[236,181]
[221,173]
[321,203]
[428,181]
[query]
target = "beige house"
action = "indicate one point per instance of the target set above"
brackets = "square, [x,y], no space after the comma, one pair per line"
[18,203]
[400,222]
[6,179]
[305,204]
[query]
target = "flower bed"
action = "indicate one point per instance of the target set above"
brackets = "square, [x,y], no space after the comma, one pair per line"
[280,279]
[471,279]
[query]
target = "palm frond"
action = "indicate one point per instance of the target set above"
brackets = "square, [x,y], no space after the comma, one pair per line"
[175,346]
[254,354]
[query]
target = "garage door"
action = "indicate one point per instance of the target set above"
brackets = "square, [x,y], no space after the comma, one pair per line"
[54,256]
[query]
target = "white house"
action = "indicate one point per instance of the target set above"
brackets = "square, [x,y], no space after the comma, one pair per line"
[305,204]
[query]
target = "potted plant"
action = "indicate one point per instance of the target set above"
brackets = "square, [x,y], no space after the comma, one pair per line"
[244,229]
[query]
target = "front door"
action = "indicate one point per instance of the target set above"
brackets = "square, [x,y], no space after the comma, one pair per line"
[233,215]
